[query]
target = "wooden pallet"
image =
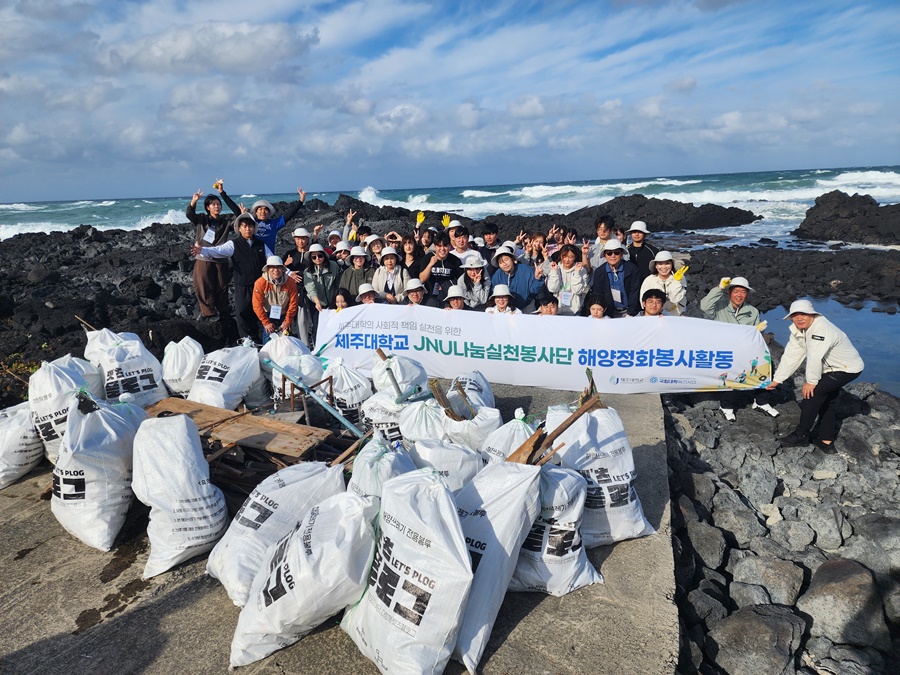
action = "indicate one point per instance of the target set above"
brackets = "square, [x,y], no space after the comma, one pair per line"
[253,431]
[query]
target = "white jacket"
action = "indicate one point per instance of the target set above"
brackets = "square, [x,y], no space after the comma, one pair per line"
[675,290]
[824,346]
[574,281]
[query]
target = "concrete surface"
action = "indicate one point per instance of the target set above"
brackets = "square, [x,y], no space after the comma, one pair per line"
[67,608]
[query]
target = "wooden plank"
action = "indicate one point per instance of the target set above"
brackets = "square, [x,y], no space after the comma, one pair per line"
[292,440]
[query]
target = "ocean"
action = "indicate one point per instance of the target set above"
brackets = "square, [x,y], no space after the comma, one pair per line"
[781,197]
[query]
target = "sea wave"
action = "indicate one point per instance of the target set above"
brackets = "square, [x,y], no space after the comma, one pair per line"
[107,203]
[21,207]
[863,181]
[478,194]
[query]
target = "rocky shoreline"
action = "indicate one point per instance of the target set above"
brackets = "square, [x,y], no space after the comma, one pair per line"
[762,535]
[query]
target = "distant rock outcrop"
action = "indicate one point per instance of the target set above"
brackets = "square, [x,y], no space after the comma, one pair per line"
[836,216]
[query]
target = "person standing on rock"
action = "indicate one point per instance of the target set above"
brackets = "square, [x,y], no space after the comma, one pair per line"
[268,224]
[728,302]
[248,254]
[640,251]
[211,276]
[275,298]
[831,362]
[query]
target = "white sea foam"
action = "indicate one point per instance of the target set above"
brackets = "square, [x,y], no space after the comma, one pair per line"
[417,200]
[247,197]
[21,207]
[870,182]
[107,203]
[172,217]
[478,194]
[7,231]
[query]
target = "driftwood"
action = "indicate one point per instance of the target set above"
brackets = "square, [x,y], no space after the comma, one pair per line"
[344,456]
[537,449]
[434,386]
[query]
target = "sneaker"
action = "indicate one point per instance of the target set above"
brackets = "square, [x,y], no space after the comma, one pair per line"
[729,414]
[766,408]
[793,440]
[827,448]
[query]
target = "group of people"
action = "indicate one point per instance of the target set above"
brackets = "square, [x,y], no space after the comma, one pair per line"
[449,268]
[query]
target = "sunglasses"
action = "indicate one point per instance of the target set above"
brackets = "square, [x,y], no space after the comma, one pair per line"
[316,256]
[612,253]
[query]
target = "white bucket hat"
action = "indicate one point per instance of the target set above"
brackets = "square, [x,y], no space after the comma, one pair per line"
[500,291]
[363,289]
[613,245]
[453,223]
[473,262]
[263,202]
[358,251]
[334,233]
[638,226]
[372,238]
[800,307]
[501,251]
[244,217]
[273,261]
[662,256]
[316,248]
[413,285]
[389,250]
[740,281]
[454,292]
[301,232]
[342,246]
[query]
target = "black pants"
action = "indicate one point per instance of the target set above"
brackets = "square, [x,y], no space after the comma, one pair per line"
[733,397]
[247,323]
[822,405]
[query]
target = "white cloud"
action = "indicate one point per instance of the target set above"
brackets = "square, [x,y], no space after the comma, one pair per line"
[528,106]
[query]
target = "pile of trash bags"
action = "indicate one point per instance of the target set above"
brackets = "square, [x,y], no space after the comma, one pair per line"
[416,539]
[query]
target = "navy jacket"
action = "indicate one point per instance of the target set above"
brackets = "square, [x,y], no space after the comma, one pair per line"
[631,279]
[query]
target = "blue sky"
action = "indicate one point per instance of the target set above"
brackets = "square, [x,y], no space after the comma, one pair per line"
[118,99]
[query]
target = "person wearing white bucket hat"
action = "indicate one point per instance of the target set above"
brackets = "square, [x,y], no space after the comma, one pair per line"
[475,283]
[456,299]
[358,273]
[640,251]
[390,278]
[664,278]
[268,224]
[617,282]
[415,295]
[367,294]
[297,258]
[727,302]
[276,297]
[501,301]
[831,362]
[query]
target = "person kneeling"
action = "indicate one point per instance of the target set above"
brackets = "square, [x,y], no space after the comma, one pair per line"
[652,301]
[275,297]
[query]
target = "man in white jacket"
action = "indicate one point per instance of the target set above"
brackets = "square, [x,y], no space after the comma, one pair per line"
[831,362]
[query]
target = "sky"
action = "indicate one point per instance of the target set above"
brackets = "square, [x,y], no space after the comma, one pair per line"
[125,98]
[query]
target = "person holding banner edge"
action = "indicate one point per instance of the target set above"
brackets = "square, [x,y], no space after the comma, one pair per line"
[728,302]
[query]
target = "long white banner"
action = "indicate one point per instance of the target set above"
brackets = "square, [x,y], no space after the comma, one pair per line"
[631,355]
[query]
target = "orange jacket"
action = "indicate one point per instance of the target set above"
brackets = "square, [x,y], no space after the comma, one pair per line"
[266,294]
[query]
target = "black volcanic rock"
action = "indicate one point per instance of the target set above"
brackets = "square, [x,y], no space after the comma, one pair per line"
[838,216]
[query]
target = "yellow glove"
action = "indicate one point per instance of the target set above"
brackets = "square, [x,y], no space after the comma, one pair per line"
[679,274]
[420,217]
[723,284]
[762,325]
[445,221]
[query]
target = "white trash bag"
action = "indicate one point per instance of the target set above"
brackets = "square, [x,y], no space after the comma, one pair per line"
[180,362]
[171,476]
[130,368]
[376,464]
[553,559]
[496,511]
[409,615]
[225,376]
[98,340]
[597,447]
[500,443]
[260,391]
[380,412]
[278,349]
[351,388]
[478,391]
[456,464]
[92,477]
[306,578]
[91,373]
[423,420]
[270,512]
[407,372]
[304,367]
[474,432]
[50,390]
[21,448]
